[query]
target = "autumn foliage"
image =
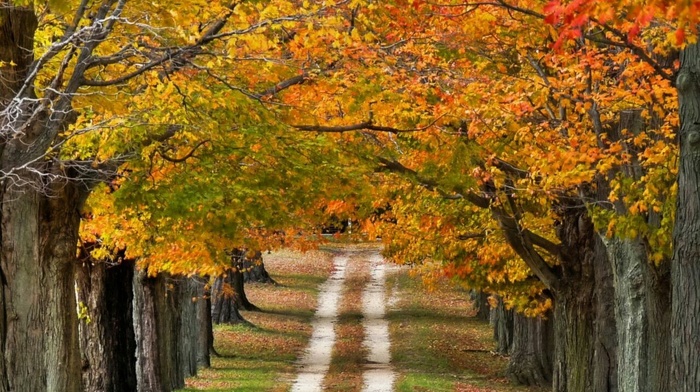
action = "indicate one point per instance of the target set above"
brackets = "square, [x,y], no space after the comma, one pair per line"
[481,141]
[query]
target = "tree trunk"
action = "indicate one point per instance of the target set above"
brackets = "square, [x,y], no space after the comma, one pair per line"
[105,294]
[532,351]
[240,297]
[241,262]
[39,225]
[166,331]
[502,322]
[573,329]
[584,323]
[642,304]
[148,373]
[224,308]
[658,281]
[17,27]
[685,269]
[254,270]
[39,238]
[190,293]
[480,302]
[205,333]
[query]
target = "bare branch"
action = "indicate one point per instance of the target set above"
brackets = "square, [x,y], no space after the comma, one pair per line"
[469,236]
[186,156]
[299,79]
[366,125]
[549,246]
[636,50]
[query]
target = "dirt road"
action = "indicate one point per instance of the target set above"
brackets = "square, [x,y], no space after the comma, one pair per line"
[378,375]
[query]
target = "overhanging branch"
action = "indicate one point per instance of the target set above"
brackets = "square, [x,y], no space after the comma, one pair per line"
[186,156]
[363,126]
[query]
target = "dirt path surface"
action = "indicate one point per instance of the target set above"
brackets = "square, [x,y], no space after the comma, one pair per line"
[316,360]
[377,372]
[378,375]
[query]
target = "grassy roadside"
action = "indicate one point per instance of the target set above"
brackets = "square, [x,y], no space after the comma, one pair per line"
[438,346]
[261,358]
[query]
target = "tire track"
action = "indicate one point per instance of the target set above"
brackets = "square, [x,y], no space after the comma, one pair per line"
[378,375]
[316,360]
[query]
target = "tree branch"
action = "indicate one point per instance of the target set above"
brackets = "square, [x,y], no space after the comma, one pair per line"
[299,79]
[520,240]
[636,50]
[521,243]
[469,236]
[549,246]
[365,125]
[186,156]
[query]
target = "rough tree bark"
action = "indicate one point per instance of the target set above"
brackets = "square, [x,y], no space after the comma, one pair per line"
[241,259]
[107,342]
[501,320]
[532,351]
[205,334]
[39,227]
[40,325]
[240,296]
[224,308]
[148,373]
[581,285]
[685,269]
[642,292]
[254,269]
[481,304]
[166,329]
[228,291]
[642,311]
[584,323]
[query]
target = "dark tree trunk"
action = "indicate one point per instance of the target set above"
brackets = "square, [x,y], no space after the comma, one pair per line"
[532,351]
[685,269]
[584,324]
[659,323]
[240,297]
[166,329]
[17,27]
[480,302]
[148,373]
[581,284]
[224,308]
[254,270]
[502,323]
[642,292]
[186,314]
[205,333]
[105,294]
[241,260]
[228,292]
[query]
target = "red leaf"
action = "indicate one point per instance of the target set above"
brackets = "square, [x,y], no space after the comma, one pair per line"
[680,36]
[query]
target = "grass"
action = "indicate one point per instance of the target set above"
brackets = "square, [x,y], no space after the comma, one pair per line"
[436,343]
[261,357]
[438,346]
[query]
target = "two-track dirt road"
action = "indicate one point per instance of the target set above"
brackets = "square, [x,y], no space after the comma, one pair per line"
[377,374]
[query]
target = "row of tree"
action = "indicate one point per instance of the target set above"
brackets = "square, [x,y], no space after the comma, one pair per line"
[556,190]
[140,333]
